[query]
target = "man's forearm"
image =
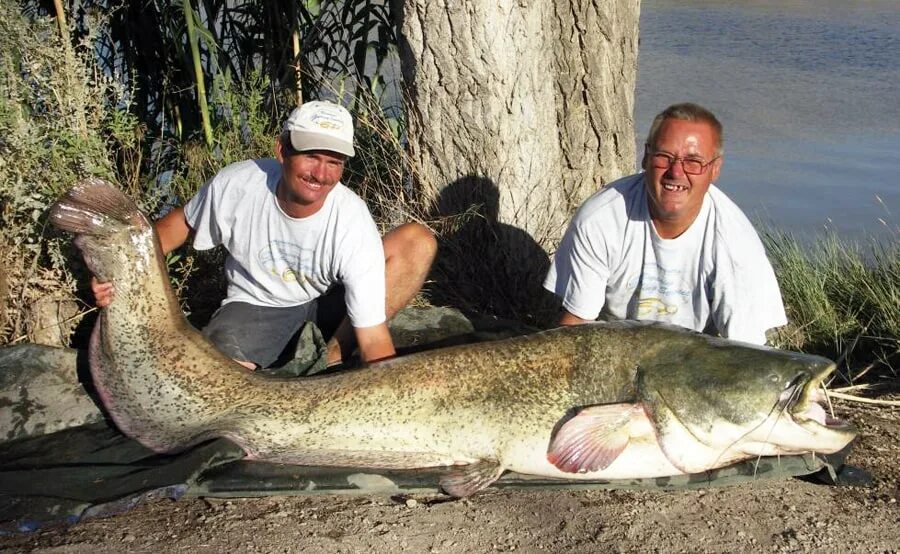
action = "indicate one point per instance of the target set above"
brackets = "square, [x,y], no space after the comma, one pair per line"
[375,343]
[172,230]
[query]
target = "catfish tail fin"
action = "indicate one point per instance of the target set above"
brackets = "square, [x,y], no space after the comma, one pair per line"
[95,207]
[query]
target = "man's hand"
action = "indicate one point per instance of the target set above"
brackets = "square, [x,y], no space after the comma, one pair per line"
[374,342]
[568,318]
[103,292]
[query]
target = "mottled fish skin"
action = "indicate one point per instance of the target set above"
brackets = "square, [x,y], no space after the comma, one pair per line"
[484,407]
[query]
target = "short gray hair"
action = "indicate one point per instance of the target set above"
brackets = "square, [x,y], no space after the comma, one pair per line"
[687,112]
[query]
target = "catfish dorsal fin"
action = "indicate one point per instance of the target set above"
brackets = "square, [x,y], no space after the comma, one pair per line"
[593,438]
[95,207]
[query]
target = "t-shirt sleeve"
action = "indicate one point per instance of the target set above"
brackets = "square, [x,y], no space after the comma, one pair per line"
[362,274]
[747,302]
[206,214]
[580,270]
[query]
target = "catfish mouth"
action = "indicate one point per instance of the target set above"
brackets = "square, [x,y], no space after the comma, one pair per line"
[806,400]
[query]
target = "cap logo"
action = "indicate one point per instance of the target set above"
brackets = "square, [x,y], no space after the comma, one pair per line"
[320,125]
[327,121]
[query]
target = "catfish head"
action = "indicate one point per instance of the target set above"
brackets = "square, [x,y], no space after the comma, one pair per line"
[714,401]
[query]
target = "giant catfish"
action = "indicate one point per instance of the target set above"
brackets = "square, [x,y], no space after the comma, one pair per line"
[597,401]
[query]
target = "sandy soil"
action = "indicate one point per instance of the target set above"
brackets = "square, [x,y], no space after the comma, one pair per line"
[766,516]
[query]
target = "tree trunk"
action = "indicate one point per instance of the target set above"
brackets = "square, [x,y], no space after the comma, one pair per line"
[518,110]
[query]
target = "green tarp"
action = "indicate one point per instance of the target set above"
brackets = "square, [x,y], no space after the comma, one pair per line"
[93,471]
[88,469]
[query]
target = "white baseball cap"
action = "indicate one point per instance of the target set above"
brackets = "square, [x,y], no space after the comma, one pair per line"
[319,125]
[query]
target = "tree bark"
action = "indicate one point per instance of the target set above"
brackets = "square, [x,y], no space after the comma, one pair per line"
[518,110]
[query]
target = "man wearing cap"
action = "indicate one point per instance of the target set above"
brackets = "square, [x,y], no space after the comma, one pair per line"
[668,245]
[293,232]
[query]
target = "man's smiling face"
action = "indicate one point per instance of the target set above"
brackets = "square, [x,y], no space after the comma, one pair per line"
[307,178]
[674,196]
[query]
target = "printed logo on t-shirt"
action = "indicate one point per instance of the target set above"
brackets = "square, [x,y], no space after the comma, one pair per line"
[287,261]
[660,292]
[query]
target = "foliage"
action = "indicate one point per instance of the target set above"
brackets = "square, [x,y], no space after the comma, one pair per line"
[146,46]
[126,108]
[53,120]
[841,300]
[381,171]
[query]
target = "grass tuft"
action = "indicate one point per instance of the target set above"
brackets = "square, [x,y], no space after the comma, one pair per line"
[842,300]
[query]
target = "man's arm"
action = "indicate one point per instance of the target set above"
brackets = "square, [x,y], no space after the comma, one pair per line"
[568,318]
[374,342]
[172,230]
[579,271]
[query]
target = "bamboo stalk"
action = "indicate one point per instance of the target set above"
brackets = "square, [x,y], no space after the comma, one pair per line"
[61,21]
[295,40]
[80,122]
[198,72]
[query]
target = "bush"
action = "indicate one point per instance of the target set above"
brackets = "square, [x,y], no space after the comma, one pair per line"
[841,300]
[53,120]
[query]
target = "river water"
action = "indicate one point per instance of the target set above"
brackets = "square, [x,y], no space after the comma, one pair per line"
[809,94]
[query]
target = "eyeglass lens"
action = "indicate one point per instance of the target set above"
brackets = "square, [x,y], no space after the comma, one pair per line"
[689,165]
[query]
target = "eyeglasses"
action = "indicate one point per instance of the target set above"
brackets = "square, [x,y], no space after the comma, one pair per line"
[691,166]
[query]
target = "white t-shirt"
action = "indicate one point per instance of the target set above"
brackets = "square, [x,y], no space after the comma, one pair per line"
[714,277]
[277,260]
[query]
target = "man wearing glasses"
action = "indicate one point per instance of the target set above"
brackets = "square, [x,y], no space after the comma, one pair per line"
[667,245]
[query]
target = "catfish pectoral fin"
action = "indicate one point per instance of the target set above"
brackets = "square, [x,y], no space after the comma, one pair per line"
[466,480]
[593,438]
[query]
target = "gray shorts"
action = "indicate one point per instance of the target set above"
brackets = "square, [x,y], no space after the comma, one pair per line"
[262,334]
